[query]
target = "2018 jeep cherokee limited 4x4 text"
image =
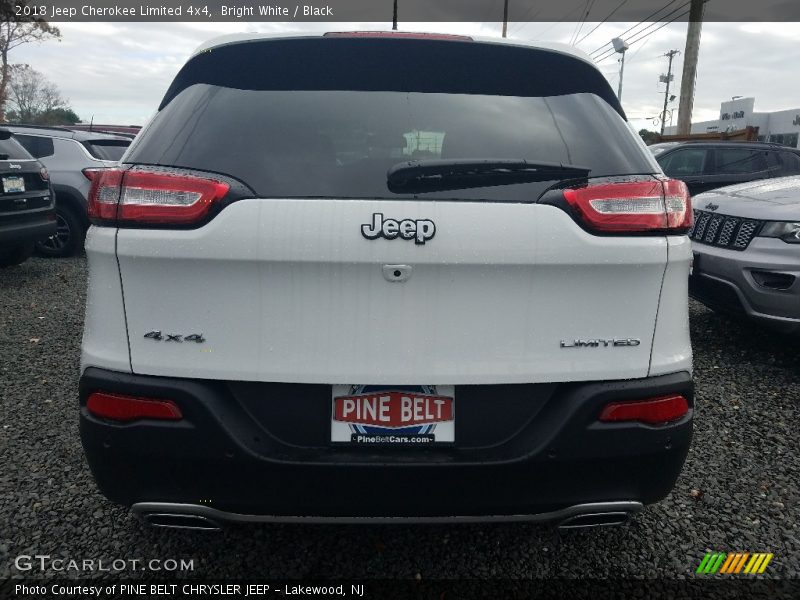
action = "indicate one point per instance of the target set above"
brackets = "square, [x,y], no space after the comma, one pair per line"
[386,276]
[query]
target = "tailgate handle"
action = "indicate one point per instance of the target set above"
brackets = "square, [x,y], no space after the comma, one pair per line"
[397,273]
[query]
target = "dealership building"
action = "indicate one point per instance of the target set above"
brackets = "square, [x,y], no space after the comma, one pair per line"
[782,127]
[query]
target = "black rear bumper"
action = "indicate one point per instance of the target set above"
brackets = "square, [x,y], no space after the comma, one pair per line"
[226,455]
[27,228]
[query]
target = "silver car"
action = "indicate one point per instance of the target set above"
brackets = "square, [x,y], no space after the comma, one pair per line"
[69,156]
[746,244]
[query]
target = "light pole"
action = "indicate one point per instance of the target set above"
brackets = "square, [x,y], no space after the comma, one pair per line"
[620,46]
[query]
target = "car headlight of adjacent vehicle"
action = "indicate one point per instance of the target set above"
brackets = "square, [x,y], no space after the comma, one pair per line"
[787,231]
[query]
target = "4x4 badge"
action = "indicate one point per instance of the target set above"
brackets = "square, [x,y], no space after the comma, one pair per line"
[419,230]
[174,337]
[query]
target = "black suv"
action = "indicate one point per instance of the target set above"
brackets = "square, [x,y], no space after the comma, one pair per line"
[27,206]
[706,166]
[70,156]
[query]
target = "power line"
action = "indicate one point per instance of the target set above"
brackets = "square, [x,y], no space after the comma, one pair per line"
[643,21]
[601,50]
[585,18]
[589,7]
[610,53]
[561,20]
[630,60]
[638,35]
[611,14]
[522,22]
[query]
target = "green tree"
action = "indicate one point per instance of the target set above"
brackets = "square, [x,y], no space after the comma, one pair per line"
[15,31]
[649,137]
[32,98]
[58,116]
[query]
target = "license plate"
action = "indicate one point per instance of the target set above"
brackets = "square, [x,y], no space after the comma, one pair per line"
[370,415]
[13,185]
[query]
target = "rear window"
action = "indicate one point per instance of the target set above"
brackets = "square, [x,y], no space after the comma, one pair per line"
[38,146]
[11,149]
[312,141]
[107,149]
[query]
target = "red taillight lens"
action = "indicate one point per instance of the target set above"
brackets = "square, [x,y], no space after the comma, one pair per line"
[653,412]
[104,194]
[44,174]
[633,206]
[118,407]
[152,197]
[678,204]
[166,198]
[90,174]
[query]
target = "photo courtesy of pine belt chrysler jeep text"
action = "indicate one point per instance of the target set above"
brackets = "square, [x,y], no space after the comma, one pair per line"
[386,276]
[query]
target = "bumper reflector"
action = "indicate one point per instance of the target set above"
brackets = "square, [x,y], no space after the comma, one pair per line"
[653,412]
[117,407]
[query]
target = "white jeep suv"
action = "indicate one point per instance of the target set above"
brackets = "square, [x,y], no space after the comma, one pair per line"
[386,275]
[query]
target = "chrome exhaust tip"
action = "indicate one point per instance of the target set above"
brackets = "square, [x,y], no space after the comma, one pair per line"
[599,519]
[180,521]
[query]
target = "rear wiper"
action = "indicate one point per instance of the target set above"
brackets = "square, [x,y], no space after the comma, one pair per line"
[419,176]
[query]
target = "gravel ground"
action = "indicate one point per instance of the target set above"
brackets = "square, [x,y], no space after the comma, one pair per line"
[740,488]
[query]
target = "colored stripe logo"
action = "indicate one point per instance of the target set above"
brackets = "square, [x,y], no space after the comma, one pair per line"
[734,564]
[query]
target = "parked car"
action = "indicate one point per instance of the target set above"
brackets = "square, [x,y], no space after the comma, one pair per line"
[704,166]
[27,205]
[747,251]
[660,147]
[69,156]
[380,278]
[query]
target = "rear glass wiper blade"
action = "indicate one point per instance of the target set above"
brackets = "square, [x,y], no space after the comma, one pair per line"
[419,176]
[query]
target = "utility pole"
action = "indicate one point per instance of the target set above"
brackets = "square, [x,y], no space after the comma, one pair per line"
[690,57]
[394,17]
[505,18]
[671,54]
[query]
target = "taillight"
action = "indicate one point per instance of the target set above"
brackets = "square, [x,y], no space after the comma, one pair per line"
[44,174]
[119,407]
[104,195]
[90,174]
[633,206]
[653,412]
[152,197]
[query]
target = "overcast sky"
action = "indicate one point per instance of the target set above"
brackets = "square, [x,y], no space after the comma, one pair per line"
[118,72]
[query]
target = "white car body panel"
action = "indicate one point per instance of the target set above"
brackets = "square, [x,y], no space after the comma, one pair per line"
[290,291]
[672,346]
[105,337]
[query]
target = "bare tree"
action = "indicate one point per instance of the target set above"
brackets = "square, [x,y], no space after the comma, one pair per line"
[16,30]
[31,94]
